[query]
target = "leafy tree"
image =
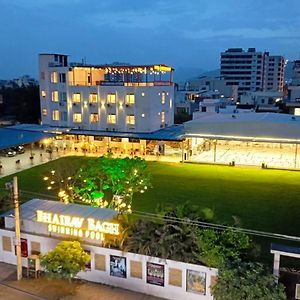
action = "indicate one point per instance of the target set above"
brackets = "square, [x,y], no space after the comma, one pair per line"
[215,248]
[247,281]
[111,182]
[65,261]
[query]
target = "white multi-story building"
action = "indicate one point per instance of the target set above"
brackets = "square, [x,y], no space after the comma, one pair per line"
[251,70]
[120,98]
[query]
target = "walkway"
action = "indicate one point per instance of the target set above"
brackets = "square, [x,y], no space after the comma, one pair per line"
[44,289]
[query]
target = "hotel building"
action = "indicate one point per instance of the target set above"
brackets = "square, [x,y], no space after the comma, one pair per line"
[121,98]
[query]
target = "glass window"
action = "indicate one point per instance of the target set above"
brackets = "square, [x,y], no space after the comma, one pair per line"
[163,117]
[54,77]
[62,77]
[93,98]
[111,98]
[130,119]
[42,75]
[111,119]
[54,96]
[63,96]
[55,115]
[45,112]
[94,118]
[77,118]
[64,116]
[130,99]
[43,93]
[76,97]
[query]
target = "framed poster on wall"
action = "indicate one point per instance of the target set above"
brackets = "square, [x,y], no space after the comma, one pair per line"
[155,274]
[118,266]
[196,282]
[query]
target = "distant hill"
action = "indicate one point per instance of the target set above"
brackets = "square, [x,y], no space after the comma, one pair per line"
[182,74]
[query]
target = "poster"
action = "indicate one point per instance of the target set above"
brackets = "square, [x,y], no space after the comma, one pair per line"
[155,274]
[118,266]
[196,282]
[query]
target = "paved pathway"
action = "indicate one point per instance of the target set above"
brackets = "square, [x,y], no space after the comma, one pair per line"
[44,289]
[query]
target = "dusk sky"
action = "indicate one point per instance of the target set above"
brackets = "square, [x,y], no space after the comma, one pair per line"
[179,33]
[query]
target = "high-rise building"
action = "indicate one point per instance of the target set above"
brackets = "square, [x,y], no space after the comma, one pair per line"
[251,70]
[105,97]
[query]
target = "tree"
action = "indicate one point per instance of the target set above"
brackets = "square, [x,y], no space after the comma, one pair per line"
[247,281]
[65,261]
[111,182]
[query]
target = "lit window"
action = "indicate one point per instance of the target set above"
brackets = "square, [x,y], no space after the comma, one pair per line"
[77,118]
[163,98]
[143,115]
[130,119]
[55,115]
[43,93]
[111,98]
[143,94]
[54,77]
[76,98]
[130,99]
[45,112]
[93,98]
[54,95]
[170,103]
[94,118]
[163,117]
[111,119]
[297,111]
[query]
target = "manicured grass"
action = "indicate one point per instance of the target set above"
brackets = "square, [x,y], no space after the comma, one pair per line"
[267,200]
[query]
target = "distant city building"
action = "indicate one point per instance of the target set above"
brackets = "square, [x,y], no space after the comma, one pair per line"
[293,90]
[116,97]
[251,70]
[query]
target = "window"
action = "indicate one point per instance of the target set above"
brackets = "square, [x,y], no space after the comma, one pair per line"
[163,97]
[111,98]
[43,94]
[203,108]
[24,248]
[163,117]
[64,116]
[77,118]
[111,119]
[42,75]
[54,77]
[45,112]
[130,119]
[93,98]
[55,115]
[62,77]
[88,264]
[76,98]
[54,96]
[63,96]
[130,99]
[297,292]
[94,118]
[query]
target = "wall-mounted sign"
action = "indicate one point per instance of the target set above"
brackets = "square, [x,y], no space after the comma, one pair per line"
[76,226]
[155,274]
[196,282]
[118,266]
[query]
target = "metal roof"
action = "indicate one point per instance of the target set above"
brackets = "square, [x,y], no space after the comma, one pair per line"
[246,126]
[10,137]
[287,249]
[28,210]
[171,133]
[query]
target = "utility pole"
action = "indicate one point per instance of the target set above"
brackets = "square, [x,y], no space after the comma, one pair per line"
[17,228]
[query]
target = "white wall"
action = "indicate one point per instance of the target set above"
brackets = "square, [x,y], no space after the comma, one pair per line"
[131,283]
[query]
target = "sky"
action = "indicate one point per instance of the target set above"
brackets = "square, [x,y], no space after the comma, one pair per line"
[190,33]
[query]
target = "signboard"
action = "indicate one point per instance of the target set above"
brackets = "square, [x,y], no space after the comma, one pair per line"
[155,274]
[196,282]
[77,226]
[118,266]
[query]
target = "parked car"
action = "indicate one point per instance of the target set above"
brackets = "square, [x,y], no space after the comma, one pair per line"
[8,152]
[19,149]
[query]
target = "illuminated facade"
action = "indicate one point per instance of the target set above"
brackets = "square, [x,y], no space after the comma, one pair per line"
[108,97]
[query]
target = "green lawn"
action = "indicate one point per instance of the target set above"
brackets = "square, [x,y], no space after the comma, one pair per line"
[266,200]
